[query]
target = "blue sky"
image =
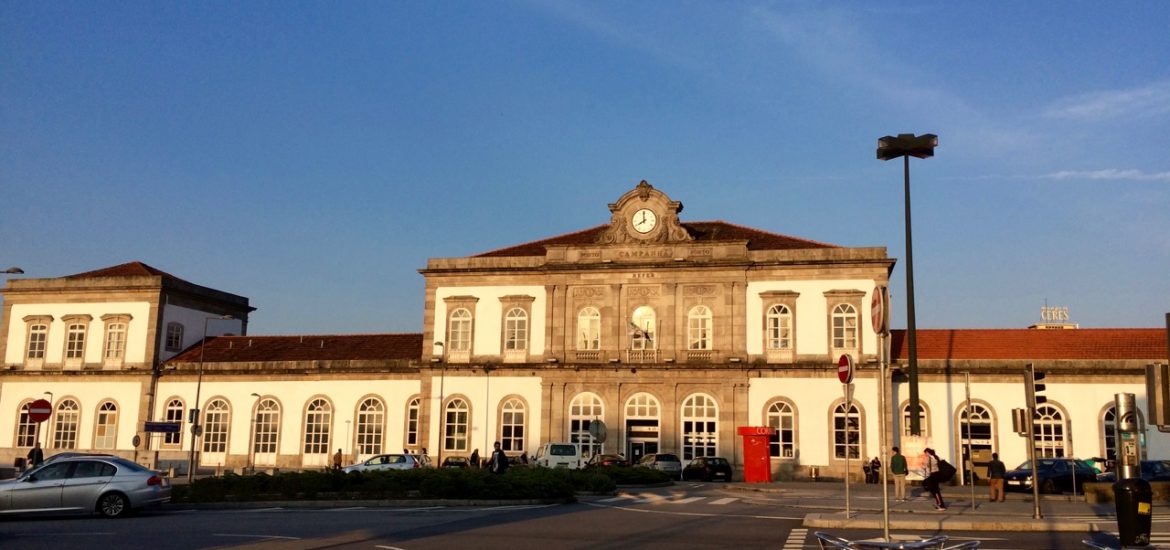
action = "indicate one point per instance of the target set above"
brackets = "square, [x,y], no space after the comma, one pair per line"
[312,156]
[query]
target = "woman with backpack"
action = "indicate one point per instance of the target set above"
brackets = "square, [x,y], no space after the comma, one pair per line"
[934,478]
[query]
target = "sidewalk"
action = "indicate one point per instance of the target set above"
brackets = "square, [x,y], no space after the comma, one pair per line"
[1060,512]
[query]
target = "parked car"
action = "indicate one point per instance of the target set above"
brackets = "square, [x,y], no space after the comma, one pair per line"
[1151,470]
[664,462]
[599,460]
[707,468]
[1054,475]
[558,455]
[460,462]
[389,462]
[108,485]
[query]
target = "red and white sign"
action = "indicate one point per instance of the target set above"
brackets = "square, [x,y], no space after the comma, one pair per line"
[879,310]
[40,410]
[845,369]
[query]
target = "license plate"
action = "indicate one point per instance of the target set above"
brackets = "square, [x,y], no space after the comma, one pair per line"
[1014,483]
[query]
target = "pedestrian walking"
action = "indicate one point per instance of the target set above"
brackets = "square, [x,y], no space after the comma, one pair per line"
[899,471]
[995,473]
[475,459]
[875,470]
[35,455]
[934,479]
[337,460]
[499,460]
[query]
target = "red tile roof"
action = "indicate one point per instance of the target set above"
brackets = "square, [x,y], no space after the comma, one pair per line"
[1028,344]
[349,347]
[129,269]
[700,231]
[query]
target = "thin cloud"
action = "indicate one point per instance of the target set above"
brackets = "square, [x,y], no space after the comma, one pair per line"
[1153,99]
[1109,174]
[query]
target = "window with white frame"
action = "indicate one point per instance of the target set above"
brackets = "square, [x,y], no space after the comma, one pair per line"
[976,429]
[456,423]
[371,424]
[174,414]
[412,415]
[844,327]
[846,432]
[779,327]
[174,340]
[459,338]
[512,425]
[699,328]
[75,329]
[583,410]
[318,419]
[642,405]
[1049,431]
[26,429]
[217,420]
[589,329]
[267,426]
[923,419]
[700,420]
[115,350]
[105,434]
[516,330]
[38,338]
[65,422]
[781,416]
[644,321]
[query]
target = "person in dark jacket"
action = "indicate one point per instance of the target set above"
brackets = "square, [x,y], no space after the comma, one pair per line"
[499,461]
[995,473]
[933,480]
[35,455]
[475,459]
[898,468]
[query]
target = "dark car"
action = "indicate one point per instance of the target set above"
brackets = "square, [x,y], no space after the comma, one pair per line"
[456,462]
[707,468]
[1151,470]
[606,460]
[1054,475]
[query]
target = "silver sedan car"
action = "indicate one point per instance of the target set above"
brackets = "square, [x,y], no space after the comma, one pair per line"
[390,462]
[108,485]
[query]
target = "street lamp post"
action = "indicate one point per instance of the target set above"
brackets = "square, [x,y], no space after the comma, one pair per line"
[906,146]
[50,394]
[13,271]
[255,425]
[196,430]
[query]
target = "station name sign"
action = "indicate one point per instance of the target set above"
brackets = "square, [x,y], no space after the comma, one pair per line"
[1054,314]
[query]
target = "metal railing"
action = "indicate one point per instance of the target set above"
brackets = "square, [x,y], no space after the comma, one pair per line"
[938,542]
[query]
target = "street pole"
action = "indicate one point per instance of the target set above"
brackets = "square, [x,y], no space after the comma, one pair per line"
[1032,458]
[196,429]
[970,462]
[848,388]
[883,361]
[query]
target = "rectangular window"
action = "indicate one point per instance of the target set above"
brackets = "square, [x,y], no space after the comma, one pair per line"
[115,341]
[38,335]
[75,343]
[174,337]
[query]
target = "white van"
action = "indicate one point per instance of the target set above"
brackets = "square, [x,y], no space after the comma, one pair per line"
[559,455]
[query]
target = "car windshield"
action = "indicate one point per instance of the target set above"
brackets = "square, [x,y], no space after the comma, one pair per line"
[666,458]
[562,450]
[717,461]
[129,465]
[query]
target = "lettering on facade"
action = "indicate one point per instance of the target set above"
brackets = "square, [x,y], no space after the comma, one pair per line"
[646,275]
[1054,314]
[589,254]
[588,292]
[700,252]
[657,253]
[643,291]
[699,290]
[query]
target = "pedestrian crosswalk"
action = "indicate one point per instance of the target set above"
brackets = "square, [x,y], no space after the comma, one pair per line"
[795,539]
[656,498]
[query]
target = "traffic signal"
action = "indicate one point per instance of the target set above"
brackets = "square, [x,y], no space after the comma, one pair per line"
[1032,379]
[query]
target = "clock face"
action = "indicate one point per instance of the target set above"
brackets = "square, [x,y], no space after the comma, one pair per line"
[644,220]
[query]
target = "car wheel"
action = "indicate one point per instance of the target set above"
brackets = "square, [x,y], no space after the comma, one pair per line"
[1048,486]
[113,505]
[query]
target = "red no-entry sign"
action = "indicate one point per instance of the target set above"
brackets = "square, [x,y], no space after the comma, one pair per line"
[845,369]
[40,410]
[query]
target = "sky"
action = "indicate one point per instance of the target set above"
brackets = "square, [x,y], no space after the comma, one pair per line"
[313,155]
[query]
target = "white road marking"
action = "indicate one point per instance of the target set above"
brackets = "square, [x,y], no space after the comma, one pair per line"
[695,514]
[795,539]
[254,536]
[724,501]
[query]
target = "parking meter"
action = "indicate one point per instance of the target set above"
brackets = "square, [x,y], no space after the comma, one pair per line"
[1128,440]
[1132,495]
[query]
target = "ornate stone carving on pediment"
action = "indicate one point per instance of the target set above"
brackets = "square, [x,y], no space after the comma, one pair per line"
[644,215]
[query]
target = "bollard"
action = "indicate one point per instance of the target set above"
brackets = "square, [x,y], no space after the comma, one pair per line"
[1132,499]
[814,473]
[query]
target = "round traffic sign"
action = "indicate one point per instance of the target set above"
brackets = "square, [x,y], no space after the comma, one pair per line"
[40,410]
[845,369]
[598,431]
[879,310]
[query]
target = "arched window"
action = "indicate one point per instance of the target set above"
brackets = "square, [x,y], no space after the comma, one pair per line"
[412,411]
[781,415]
[318,420]
[512,425]
[456,423]
[699,328]
[460,337]
[65,423]
[26,429]
[105,434]
[516,330]
[216,422]
[1049,431]
[267,429]
[644,322]
[371,424]
[589,329]
[700,419]
[174,414]
[846,432]
[976,433]
[779,327]
[923,419]
[844,327]
[642,405]
[583,410]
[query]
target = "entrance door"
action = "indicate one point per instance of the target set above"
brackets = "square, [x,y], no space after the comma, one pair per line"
[642,438]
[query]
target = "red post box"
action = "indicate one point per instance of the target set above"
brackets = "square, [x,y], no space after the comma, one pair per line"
[757,463]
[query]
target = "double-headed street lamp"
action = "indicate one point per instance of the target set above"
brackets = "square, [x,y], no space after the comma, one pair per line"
[13,271]
[906,146]
[196,430]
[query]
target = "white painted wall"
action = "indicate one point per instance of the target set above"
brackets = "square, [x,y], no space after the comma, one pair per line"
[489,316]
[812,314]
[485,395]
[136,344]
[88,396]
